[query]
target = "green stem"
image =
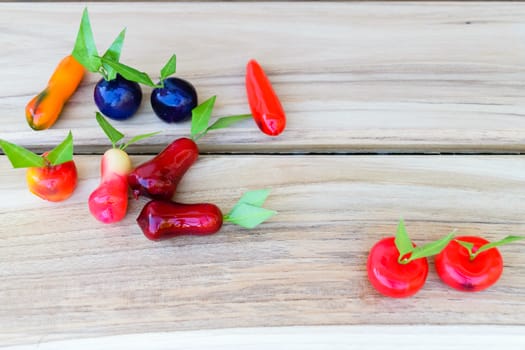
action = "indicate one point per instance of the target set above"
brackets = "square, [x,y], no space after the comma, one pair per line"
[470,246]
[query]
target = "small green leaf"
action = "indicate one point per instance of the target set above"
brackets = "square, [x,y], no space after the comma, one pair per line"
[468,246]
[113,134]
[247,212]
[200,117]
[256,198]
[483,248]
[129,73]
[21,157]
[248,216]
[225,122]
[506,240]
[402,241]
[113,53]
[169,68]
[138,138]
[432,248]
[85,50]
[63,152]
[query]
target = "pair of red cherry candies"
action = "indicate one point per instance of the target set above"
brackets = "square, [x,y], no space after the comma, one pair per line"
[397,268]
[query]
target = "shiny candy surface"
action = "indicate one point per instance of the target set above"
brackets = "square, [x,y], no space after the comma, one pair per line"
[161,219]
[158,178]
[117,99]
[174,102]
[455,267]
[265,106]
[391,278]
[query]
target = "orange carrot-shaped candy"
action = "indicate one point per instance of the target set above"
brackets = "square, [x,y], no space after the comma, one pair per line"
[43,109]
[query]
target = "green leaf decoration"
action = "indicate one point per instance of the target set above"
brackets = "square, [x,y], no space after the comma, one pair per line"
[432,248]
[257,197]
[129,73]
[248,212]
[402,241]
[85,50]
[63,152]
[21,157]
[248,216]
[138,138]
[113,134]
[469,246]
[113,53]
[200,117]
[225,122]
[506,240]
[169,68]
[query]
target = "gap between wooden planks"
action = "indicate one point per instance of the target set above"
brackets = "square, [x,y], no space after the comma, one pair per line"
[65,276]
[372,77]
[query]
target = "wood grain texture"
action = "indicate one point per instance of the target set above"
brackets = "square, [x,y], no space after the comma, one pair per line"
[353,77]
[65,276]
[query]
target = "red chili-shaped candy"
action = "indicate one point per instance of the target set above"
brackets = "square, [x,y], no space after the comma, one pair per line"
[158,178]
[265,106]
[161,219]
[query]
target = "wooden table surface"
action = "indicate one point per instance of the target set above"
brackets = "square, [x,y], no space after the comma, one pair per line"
[394,109]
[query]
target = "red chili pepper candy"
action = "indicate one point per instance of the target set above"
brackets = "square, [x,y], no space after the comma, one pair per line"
[266,108]
[160,219]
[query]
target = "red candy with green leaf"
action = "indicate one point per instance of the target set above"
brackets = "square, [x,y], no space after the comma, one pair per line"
[161,219]
[471,263]
[108,203]
[397,268]
[52,176]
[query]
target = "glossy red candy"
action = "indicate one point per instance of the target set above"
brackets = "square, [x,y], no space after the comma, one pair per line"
[391,278]
[265,106]
[160,219]
[158,178]
[455,267]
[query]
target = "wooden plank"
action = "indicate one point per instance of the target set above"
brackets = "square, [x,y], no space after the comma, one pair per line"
[308,338]
[64,276]
[353,77]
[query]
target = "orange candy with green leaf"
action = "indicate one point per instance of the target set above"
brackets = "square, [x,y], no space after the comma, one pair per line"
[51,176]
